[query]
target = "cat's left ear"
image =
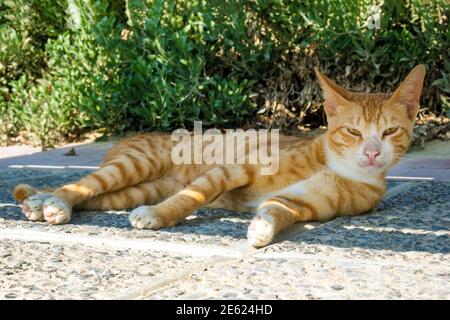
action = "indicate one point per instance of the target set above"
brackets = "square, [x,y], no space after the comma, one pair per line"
[408,94]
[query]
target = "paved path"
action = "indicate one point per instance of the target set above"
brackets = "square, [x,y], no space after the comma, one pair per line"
[400,250]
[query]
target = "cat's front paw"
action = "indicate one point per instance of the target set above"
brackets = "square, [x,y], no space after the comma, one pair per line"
[56,211]
[261,230]
[145,217]
[32,206]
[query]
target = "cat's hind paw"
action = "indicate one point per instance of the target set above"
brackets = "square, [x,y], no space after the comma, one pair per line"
[144,217]
[56,211]
[261,230]
[32,206]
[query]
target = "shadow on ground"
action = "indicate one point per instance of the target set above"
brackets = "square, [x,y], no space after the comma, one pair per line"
[414,220]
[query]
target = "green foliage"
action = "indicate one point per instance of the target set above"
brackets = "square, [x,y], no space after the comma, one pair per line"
[70,66]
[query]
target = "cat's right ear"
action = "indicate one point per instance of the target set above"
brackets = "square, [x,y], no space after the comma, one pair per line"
[335,96]
[408,93]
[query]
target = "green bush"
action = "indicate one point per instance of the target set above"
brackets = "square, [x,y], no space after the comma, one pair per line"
[71,66]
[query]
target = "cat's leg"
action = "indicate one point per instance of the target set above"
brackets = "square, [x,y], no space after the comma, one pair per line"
[146,193]
[325,197]
[201,191]
[275,215]
[125,170]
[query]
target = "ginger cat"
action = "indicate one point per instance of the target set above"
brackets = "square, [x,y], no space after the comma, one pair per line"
[341,172]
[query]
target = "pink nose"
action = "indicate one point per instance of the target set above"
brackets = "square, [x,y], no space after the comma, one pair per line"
[371,154]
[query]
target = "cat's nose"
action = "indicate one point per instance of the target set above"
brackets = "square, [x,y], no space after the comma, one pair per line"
[372,149]
[371,154]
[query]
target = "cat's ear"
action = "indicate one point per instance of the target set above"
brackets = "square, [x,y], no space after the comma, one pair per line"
[408,93]
[335,96]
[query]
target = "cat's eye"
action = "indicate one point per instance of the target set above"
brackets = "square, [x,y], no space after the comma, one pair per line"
[390,131]
[354,132]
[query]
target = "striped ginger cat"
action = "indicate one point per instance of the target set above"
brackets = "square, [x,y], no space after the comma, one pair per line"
[341,172]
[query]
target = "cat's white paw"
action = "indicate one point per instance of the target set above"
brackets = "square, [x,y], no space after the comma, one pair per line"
[32,206]
[56,211]
[144,217]
[261,230]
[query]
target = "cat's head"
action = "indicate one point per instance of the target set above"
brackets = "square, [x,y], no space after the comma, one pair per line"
[370,131]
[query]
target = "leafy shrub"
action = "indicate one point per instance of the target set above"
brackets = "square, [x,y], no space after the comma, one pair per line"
[70,66]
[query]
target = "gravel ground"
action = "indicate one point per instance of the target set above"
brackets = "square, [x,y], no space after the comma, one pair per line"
[293,278]
[39,270]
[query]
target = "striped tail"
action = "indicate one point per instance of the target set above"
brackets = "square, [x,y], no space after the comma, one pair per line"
[23,191]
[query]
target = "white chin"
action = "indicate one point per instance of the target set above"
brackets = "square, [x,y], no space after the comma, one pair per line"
[374,169]
[371,168]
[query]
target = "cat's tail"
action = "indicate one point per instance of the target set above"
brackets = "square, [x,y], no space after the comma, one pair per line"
[23,191]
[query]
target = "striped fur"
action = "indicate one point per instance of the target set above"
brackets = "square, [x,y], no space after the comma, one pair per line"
[318,179]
